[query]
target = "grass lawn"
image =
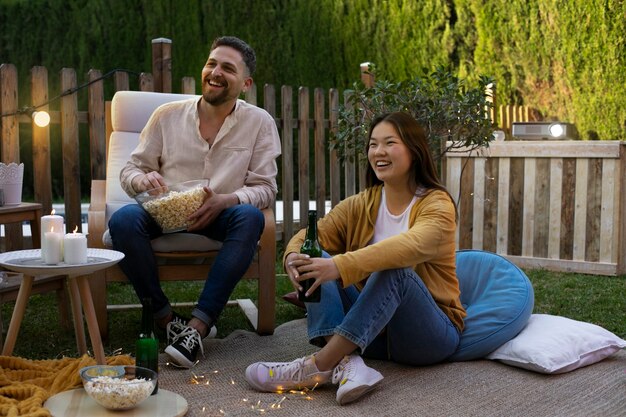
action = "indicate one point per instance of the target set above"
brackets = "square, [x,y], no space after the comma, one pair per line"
[596,299]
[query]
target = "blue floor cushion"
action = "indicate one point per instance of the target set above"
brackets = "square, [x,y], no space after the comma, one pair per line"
[498,298]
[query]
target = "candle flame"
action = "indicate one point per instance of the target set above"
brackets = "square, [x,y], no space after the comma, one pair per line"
[52,212]
[75,229]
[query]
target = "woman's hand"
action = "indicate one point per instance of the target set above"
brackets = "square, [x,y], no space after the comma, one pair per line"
[301,267]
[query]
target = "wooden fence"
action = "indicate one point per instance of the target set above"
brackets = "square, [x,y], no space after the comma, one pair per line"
[557,205]
[540,185]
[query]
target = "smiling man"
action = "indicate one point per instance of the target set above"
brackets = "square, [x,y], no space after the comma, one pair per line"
[218,137]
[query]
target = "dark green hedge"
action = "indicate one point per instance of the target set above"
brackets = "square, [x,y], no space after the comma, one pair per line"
[566,58]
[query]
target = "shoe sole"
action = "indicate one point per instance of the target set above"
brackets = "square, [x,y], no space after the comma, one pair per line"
[178,358]
[357,392]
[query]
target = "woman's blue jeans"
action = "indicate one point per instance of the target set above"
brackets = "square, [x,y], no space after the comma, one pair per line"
[239,229]
[393,318]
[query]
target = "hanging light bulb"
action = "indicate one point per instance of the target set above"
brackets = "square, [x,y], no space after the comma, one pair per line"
[41,118]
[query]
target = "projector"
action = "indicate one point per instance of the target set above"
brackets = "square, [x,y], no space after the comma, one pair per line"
[544,131]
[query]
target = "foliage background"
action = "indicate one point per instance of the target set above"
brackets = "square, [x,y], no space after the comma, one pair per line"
[566,58]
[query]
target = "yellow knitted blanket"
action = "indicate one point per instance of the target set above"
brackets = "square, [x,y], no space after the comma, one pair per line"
[26,384]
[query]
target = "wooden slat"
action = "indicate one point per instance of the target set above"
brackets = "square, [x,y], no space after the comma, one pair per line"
[41,141]
[120,81]
[320,152]
[251,95]
[334,169]
[287,161]
[554,216]
[516,206]
[580,211]
[504,172]
[97,128]
[10,147]
[466,204]
[528,225]
[303,154]
[568,209]
[146,82]
[490,209]
[269,104]
[608,218]
[564,265]
[594,211]
[479,203]
[349,166]
[188,86]
[547,149]
[71,153]
[453,184]
[542,204]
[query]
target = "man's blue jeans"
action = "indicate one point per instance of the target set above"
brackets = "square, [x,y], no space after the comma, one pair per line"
[393,318]
[238,228]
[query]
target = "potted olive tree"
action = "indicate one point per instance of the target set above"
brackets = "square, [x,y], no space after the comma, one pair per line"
[454,114]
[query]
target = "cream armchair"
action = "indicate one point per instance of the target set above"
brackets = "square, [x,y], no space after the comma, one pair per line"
[183,257]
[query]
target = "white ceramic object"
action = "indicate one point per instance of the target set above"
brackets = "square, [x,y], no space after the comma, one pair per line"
[11,177]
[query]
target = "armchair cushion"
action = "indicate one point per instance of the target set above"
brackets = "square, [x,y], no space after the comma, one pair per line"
[175,242]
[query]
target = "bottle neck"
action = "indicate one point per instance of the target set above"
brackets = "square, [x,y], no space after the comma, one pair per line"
[311,230]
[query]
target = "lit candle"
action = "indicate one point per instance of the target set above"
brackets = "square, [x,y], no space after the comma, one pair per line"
[47,224]
[75,248]
[54,249]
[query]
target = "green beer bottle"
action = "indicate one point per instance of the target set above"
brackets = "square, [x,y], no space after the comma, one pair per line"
[312,248]
[147,347]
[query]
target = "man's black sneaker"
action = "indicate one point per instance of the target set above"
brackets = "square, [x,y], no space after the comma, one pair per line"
[184,349]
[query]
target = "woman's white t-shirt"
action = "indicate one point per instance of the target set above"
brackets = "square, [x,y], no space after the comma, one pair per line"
[388,224]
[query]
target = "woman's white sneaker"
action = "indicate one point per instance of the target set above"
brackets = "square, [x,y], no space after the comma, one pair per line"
[355,379]
[282,376]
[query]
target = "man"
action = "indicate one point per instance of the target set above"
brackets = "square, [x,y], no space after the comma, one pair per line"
[224,139]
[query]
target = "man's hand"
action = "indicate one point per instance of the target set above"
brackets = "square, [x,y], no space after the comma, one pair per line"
[212,206]
[147,181]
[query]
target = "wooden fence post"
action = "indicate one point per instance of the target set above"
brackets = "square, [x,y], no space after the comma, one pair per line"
[366,76]
[303,154]
[97,139]
[287,161]
[162,64]
[41,142]
[70,151]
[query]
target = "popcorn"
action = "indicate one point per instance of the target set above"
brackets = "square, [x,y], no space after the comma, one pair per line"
[171,210]
[118,393]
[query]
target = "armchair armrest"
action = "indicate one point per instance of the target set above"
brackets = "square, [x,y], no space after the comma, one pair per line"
[96,214]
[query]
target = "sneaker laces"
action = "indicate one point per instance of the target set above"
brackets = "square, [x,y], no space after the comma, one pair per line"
[190,337]
[173,329]
[289,371]
[343,371]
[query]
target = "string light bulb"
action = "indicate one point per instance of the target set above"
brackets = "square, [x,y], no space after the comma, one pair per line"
[41,118]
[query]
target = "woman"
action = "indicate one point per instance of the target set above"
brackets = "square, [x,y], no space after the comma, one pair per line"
[390,291]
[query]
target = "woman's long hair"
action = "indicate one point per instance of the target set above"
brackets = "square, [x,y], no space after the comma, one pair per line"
[423,168]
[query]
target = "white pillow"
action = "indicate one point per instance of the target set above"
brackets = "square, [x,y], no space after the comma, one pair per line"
[555,345]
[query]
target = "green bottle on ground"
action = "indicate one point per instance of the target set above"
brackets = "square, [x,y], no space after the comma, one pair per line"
[311,247]
[147,347]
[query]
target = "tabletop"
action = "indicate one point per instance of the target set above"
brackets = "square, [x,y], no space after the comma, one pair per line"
[76,403]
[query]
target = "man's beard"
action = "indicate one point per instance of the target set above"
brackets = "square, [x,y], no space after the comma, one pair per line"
[214,98]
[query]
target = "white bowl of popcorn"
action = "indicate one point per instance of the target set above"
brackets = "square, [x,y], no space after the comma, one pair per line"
[118,387]
[170,205]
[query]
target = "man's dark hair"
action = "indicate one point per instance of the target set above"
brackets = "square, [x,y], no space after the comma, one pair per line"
[249,57]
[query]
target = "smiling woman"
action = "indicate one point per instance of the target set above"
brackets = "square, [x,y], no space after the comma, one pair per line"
[372,304]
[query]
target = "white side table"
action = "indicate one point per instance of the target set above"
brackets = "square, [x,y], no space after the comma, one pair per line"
[30,264]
